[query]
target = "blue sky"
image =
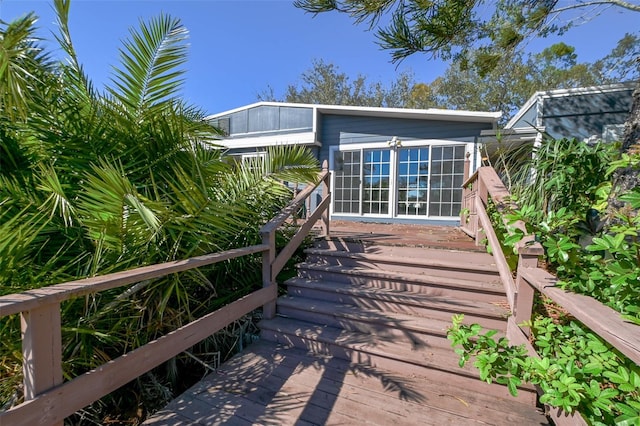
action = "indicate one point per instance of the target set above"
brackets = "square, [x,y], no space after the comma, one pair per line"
[239,48]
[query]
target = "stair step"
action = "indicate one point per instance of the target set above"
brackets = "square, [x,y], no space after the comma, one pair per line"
[389,326]
[490,315]
[439,364]
[455,264]
[488,291]
[380,246]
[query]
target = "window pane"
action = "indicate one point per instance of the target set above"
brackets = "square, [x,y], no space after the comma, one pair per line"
[263,119]
[296,118]
[436,153]
[447,153]
[347,182]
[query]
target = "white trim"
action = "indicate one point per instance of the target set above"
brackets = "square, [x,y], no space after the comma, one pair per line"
[415,217]
[427,114]
[404,144]
[470,147]
[303,138]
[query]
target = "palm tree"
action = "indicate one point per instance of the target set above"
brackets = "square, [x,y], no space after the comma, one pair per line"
[99,182]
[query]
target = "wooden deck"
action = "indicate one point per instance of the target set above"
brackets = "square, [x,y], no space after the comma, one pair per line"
[407,235]
[279,384]
[270,384]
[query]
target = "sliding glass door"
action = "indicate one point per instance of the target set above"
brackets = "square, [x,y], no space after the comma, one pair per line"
[414,181]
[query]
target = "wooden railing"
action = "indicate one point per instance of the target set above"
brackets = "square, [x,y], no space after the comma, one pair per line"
[48,400]
[485,184]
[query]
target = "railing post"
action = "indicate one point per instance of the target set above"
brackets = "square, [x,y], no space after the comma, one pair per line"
[41,350]
[465,191]
[325,193]
[482,196]
[528,254]
[268,238]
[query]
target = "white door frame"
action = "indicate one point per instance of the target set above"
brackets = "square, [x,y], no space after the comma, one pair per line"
[393,190]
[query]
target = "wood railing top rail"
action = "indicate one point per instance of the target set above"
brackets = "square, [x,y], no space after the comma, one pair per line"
[499,257]
[293,206]
[30,299]
[601,319]
[497,191]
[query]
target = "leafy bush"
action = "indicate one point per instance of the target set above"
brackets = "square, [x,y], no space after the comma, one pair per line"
[576,370]
[562,199]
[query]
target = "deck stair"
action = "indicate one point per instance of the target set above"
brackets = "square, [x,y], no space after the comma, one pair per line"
[389,307]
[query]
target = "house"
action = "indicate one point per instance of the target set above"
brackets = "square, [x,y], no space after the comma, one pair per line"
[387,164]
[587,113]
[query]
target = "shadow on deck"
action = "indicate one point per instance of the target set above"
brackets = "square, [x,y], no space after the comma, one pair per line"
[299,382]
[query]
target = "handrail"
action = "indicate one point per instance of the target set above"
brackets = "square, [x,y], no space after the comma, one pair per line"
[478,188]
[49,401]
[31,299]
[602,320]
[273,263]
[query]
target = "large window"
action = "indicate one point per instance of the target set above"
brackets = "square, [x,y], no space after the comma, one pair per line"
[265,119]
[346,194]
[414,181]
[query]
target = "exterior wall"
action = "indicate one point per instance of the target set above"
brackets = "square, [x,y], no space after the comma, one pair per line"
[586,115]
[344,130]
[441,136]
[528,119]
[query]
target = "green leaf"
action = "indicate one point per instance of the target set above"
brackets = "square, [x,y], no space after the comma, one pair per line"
[512,385]
[622,376]
[632,198]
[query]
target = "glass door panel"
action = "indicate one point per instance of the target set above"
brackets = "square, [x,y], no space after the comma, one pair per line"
[346,194]
[447,174]
[413,181]
[376,172]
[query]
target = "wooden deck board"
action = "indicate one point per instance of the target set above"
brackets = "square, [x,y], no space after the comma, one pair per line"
[273,385]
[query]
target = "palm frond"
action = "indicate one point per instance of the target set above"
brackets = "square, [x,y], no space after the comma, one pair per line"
[150,59]
[76,79]
[57,203]
[21,65]
[114,215]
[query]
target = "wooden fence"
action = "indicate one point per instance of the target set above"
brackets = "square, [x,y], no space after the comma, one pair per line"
[485,184]
[48,400]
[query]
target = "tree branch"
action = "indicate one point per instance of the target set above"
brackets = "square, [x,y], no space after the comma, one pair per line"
[619,3]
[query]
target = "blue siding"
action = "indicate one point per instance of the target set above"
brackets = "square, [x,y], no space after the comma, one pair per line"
[585,115]
[344,130]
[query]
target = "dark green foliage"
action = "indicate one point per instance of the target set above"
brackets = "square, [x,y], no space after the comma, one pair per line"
[561,205]
[93,183]
[562,195]
[577,371]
